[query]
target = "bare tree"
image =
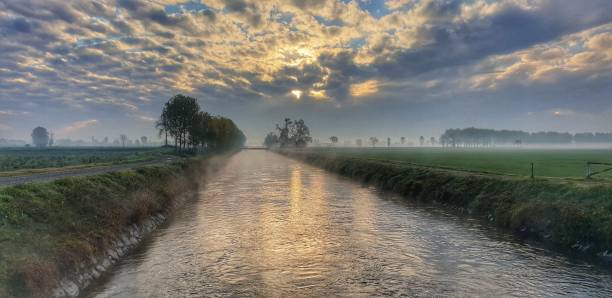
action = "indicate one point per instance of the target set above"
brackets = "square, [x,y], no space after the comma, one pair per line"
[123,139]
[373,141]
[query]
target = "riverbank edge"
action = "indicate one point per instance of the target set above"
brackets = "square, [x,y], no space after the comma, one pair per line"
[564,216]
[70,281]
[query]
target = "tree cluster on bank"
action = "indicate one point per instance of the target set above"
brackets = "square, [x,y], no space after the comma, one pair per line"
[479,137]
[192,129]
[293,133]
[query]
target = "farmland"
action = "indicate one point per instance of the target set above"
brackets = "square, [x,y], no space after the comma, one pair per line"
[14,159]
[559,163]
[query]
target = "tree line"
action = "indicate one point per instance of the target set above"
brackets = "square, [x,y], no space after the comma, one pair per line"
[479,137]
[192,129]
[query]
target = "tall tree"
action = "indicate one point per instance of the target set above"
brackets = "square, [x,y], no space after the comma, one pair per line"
[123,139]
[422,140]
[373,141]
[40,137]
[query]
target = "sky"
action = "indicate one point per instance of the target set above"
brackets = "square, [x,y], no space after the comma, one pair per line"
[353,69]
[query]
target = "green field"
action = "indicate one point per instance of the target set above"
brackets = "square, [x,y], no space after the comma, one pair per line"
[561,163]
[12,159]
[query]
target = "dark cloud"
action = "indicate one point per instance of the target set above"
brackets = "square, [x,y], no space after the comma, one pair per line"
[451,44]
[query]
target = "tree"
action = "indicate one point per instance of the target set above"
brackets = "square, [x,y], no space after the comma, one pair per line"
[373,141]
[334,140]
[51,140]
[271,140]
[177,119]
[421,140]
[359,142]
[40,137]
[388,142]
[283,132]
[300,134]
[143,140]
[432,140]
[403,140]
[123,139]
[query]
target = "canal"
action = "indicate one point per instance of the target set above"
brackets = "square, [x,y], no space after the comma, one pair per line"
[269,226]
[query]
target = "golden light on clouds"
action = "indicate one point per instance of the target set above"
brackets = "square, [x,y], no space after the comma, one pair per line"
[318,94]
[365,88]
[297,93]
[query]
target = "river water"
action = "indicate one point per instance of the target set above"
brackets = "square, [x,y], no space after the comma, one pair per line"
[269,226]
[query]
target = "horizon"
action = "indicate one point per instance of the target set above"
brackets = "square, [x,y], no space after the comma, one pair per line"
[353,69]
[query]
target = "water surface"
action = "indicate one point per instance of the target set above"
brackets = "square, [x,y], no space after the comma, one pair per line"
[269,226]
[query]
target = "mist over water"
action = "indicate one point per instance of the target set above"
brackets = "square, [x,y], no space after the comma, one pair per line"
[269,226]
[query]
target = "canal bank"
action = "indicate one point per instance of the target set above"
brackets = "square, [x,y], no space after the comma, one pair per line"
[565,215]
[57,237]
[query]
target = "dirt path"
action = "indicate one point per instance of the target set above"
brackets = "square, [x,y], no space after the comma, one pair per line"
[48,176]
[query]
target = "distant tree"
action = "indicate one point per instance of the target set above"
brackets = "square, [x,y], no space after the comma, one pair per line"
[105,141]
[51,140]
[271,140]
[388,142]
[123,139]
[334,140]
[137,142]
[283,132]
[300,134]
[373,141]
[403,140]
[143,140]
[40,137]
[358,142]
[116,142]
[432,140]
[421,140]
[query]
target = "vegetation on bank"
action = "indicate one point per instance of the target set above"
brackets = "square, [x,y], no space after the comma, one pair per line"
[46,229]
[12,159]
[559,163]
[565,214]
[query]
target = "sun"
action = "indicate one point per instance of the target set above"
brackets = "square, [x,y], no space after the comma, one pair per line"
[297,93]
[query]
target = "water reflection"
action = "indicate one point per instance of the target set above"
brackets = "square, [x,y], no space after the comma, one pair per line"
[269,226]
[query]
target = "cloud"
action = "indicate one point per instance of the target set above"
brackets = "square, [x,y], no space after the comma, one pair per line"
[366,88]
[76,126]
[125,57]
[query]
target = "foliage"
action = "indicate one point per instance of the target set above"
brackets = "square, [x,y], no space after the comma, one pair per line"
[291,134]
[40,137]
[193,129]
[479,137]
[49,228]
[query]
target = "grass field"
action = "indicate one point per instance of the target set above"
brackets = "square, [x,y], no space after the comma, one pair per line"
[561,163]
[12,159]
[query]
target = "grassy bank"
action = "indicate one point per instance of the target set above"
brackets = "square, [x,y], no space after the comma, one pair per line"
[568,215]
[46,229]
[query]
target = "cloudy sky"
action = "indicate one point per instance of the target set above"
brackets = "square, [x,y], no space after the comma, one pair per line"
[349,68]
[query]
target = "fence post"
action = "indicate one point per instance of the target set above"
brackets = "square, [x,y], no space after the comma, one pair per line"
[532,176]
[588,170]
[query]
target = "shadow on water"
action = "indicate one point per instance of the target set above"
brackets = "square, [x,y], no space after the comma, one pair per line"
[270,226]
